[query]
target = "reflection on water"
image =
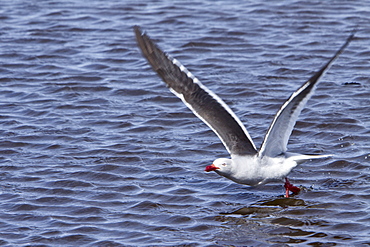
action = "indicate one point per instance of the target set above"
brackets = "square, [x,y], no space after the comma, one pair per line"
[266,206]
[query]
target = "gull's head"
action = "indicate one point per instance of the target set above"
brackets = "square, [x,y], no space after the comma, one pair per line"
[221,165]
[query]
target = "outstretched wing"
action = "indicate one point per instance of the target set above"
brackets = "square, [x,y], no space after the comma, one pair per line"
[277,136]
[203,102]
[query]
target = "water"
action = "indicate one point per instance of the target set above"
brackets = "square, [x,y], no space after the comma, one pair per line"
[95,150]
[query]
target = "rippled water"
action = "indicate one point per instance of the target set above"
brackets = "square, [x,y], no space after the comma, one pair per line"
[95,151]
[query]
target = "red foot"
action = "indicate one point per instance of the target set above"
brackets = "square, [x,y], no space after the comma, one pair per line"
[290,187]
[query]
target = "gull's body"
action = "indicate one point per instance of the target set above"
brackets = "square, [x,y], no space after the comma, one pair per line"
[253,170]
[247,165]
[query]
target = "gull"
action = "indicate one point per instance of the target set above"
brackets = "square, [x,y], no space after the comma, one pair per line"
[248,165]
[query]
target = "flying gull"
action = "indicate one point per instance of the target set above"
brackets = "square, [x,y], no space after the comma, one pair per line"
[247,165]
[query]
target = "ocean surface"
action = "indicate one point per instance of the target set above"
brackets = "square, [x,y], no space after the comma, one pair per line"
[96,151]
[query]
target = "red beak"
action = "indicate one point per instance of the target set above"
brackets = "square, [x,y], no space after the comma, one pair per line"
[211,168]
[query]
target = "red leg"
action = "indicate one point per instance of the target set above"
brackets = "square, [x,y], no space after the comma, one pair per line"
[286,192]
[290,187]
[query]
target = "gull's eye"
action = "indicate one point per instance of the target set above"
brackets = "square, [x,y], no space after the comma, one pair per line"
[223,164]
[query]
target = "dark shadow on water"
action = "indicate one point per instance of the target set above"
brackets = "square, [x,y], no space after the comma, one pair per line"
[268,206]
[263,223]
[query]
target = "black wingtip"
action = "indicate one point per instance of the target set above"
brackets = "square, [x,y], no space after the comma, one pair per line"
[138,32]
[318,74]
[137,29]
[352,36]
[349,39]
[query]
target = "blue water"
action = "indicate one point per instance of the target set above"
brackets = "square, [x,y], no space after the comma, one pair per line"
[96,151]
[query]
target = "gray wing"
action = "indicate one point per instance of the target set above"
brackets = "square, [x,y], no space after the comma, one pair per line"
[277,136]
[210,108]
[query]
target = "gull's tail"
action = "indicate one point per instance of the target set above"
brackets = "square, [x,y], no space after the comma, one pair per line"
[302,157]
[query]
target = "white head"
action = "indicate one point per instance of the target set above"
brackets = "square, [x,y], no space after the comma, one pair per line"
[222,166]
